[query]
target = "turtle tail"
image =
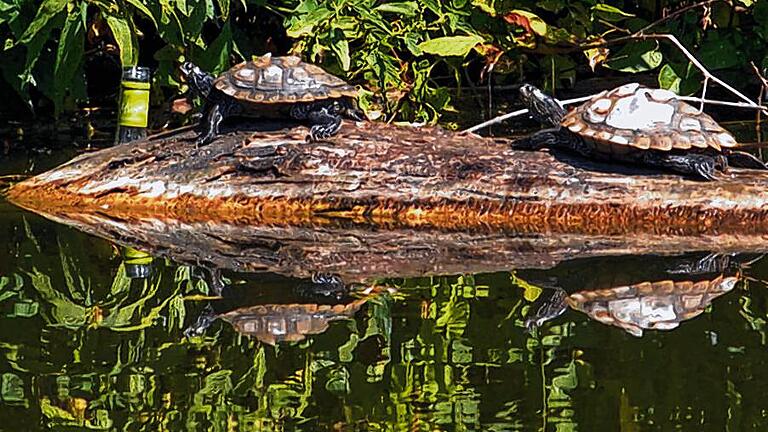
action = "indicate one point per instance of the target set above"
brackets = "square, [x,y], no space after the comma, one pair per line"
[744,160]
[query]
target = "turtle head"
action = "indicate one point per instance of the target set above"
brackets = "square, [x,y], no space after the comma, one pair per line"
[542,107]
[200,82]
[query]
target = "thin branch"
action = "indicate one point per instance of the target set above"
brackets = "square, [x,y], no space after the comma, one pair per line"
[694,99]
[508,116]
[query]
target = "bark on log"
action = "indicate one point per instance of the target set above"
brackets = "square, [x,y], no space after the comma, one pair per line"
[387,177]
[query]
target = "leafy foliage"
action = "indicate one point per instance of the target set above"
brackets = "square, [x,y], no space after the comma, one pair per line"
[406,55]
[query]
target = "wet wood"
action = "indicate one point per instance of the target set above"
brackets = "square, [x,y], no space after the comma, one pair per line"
[387,177]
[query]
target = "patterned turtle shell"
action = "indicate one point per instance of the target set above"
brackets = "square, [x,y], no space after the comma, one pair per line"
[274,80]
[634,116]
[650,305]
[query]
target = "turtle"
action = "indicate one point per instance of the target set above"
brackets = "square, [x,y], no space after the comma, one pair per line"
[276,87]
[323,290]
[658,305]
[681,288]
[636,124]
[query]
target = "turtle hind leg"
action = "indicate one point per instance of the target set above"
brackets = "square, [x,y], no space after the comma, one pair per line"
[698,165]
[744,160]
[325,123]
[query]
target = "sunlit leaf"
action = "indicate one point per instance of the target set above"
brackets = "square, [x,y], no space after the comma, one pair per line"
[450,45]
[528,20]
[610,13]
[123,32]
[340,47]
[143,9]
[306,24]
[224,7]
[408,8]
[68,55]
[48,9]
[668,79]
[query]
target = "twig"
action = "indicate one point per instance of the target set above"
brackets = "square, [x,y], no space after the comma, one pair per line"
[507,116]
[759,119]
[517,113]
[640,35]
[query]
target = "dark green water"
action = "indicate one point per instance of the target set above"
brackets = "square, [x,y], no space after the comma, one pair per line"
[82,344]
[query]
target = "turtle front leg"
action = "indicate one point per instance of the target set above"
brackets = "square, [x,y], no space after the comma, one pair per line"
[325,123]
[555,138]
[210,124]
[546,138]
[351,110]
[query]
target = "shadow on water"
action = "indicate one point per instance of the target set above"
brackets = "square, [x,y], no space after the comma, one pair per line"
[93,333]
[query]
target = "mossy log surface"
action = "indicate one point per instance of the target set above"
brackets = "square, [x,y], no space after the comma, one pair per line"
[413,182]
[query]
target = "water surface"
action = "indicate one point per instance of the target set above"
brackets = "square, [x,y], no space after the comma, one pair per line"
[84,344]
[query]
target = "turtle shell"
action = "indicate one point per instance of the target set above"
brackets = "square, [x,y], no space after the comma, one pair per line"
[634,116]
[273,323]
[650,305]
[275,80]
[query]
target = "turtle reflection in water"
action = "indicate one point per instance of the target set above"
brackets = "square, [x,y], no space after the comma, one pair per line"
[272,323]
[659,305]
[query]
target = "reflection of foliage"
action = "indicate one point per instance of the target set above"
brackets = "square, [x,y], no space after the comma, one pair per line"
[105,352]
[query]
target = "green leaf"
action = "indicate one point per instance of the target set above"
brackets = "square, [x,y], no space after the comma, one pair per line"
[668,79]
[69,54]
[47,11]
[224,7]
[402,8]
[610,13]
[216,57]
[143,9]
[681,78]
[306,24]
[536,24]
[340,47]
[8,11]
[450,45]
[122,30]
[636,57]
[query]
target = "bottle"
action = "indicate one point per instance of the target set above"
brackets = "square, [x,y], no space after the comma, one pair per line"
[134,105]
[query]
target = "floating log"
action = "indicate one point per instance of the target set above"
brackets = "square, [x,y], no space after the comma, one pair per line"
[378,176]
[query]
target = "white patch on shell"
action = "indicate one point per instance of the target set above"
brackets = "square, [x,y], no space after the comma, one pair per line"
[245,73]
[576,127]
[625,90]
[726,140]
[600,106]
[690,124]
[594,117]
[273,73]
[637,112]
[618,139]
[661,95]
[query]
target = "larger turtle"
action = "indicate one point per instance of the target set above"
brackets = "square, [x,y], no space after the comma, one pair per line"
[274,87]
[637,124]
[660,304]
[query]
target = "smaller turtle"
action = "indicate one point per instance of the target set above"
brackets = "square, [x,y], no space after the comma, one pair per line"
[275,87]
[636,124]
